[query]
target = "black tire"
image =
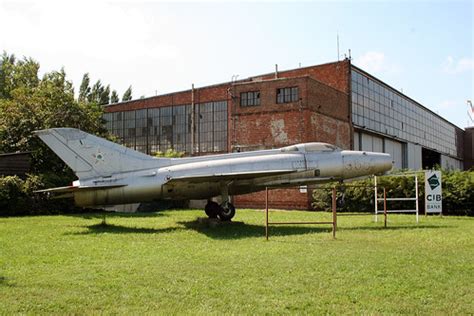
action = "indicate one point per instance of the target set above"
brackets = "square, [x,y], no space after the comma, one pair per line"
[227,212]
[212,209]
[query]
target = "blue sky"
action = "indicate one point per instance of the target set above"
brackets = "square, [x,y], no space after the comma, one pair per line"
[422,47]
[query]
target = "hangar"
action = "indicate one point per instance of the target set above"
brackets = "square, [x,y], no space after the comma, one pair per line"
[335,102]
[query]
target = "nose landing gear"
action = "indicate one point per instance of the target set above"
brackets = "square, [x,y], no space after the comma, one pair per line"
[224,212]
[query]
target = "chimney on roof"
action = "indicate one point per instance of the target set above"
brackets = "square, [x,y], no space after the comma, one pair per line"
[276,71]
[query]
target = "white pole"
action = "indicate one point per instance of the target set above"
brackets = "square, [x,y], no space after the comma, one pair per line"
[416,196]
[376,201]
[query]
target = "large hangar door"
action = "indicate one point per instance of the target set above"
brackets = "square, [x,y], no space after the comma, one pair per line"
[378,144]
[414,156]
[394,148]
[372,143]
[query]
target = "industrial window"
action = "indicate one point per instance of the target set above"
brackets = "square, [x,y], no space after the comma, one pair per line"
[250,98]
[287,95]
[396,115]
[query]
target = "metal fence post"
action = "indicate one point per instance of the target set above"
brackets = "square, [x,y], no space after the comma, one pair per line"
[376,199]
[384,207]
[334,216]
[266,213]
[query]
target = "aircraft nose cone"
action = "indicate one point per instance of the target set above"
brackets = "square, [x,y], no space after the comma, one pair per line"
[382,162]
[363,163]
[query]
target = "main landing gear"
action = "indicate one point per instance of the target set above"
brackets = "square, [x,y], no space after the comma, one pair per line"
[224,211]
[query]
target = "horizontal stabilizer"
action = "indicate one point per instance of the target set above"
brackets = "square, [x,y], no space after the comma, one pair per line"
[73,188]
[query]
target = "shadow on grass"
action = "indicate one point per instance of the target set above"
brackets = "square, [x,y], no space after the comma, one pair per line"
[116,215]
[396,227]
[239,230]
[4,281]
[118,229]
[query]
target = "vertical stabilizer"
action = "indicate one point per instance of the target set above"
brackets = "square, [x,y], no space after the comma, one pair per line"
[90,156]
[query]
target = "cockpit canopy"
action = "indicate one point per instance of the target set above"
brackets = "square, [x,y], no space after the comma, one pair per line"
[311,148]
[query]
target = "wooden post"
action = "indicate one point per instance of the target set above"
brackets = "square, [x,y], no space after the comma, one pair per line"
[384,207]
[334,214]
[266,213]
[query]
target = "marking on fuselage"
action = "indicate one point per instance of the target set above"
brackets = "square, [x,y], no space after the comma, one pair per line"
[298,164]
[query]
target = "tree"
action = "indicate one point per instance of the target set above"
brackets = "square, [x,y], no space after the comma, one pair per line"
[28,103]
[96,92]
[114,98]
[127,96]
[104,97]
[17,74]
[84,89]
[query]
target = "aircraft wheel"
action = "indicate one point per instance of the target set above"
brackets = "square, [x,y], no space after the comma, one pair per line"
[227,211]
[212,209]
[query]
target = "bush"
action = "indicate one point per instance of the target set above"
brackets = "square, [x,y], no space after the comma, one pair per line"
[458,194]
[18,197]
[12,196]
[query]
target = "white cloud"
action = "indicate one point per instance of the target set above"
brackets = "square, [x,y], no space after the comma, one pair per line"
[376,62]
[453,67]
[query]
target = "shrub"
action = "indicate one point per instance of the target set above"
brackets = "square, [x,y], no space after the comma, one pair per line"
[18,197]
[458,194]
[12,196]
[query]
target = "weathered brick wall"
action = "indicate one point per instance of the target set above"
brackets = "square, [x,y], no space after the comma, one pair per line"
[336,74]
[268,125]
[290,199]
[201,95]
[327,100]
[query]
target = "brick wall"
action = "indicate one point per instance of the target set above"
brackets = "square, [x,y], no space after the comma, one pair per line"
[290,199]
[335,75]
[201,95]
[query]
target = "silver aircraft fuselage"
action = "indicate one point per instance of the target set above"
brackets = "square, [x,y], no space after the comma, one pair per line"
[112,174]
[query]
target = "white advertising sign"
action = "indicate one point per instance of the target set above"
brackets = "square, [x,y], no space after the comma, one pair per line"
[433,194]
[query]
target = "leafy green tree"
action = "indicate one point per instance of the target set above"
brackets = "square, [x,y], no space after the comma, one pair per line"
[127,96]
[114,98]
[29,103]
[104,97]
[17,74]
[96,92]
[84,89]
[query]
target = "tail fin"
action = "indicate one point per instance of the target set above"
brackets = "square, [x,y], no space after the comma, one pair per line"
[90,156]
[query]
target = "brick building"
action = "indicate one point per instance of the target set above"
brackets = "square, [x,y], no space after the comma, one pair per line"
[335,102]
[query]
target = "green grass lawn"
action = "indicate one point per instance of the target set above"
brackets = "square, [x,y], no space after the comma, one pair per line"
[169,263]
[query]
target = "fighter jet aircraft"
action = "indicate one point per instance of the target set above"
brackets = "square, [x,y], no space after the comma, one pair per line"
[110,174]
